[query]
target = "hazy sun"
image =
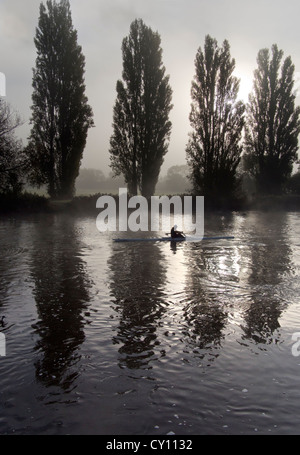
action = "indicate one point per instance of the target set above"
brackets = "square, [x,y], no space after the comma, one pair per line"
[246,84]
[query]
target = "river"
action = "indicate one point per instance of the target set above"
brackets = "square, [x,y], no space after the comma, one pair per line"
[150,338]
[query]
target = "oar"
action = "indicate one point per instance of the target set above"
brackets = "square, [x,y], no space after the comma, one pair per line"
[218,237]
[179,232]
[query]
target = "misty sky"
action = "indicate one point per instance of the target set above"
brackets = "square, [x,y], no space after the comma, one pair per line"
[182,24]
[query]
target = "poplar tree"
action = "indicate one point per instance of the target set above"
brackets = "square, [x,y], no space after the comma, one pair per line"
[12,159]
[217,118]
[141,126]
[273,124]
[61,115]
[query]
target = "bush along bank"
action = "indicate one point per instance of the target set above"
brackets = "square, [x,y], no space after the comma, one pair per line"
[86,205]
[23,203]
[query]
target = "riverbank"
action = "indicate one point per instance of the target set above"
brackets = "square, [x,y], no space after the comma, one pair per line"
[86,205]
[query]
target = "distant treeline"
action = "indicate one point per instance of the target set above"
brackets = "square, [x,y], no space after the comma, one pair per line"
[92,181]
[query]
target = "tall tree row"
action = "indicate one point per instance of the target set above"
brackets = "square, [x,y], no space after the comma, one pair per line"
[264,132]
[61,115]
[273,125]
[141,126]
[217,118]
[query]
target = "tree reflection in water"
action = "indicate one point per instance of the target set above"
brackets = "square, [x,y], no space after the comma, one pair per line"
[137,288]
[270,260]
[238,277]
[205,313]
[62,296]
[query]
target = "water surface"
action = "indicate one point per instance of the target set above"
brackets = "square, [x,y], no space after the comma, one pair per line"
[150,338]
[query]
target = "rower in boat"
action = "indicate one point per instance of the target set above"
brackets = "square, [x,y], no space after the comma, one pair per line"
[176,234]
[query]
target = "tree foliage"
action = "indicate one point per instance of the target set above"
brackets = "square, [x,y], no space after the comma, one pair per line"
[273,124]
[141,126]
[293,184]
[61,115]
[217,118]
[12,159]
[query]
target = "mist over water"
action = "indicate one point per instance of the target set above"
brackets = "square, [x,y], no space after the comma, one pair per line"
[149,338]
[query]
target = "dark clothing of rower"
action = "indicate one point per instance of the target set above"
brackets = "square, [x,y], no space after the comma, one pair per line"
[176,234]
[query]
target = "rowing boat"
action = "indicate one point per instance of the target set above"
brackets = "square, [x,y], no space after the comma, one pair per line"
[170,239]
